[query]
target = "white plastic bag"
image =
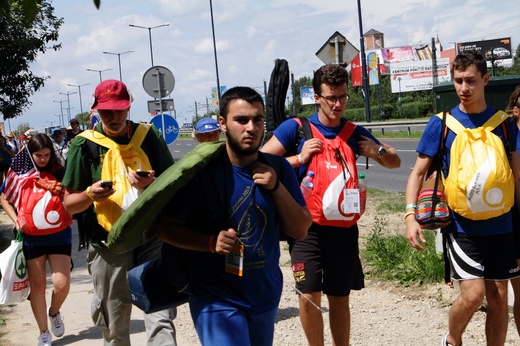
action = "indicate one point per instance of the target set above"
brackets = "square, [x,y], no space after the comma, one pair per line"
[14,285]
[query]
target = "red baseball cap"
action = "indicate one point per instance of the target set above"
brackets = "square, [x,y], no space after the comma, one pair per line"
[111,95]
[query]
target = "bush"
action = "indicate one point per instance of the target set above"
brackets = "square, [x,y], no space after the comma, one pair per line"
[391,258]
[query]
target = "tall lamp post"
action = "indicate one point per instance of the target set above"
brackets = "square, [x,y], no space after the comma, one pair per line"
[149,28]
[214,48]
[68,93]
[119,60]
[400,105]
[61,110]
[79,92]
[99,71]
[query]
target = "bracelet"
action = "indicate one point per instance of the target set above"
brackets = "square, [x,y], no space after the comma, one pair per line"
[300,160]
[408,214]
[89,194]
[276,185]
[211,244]
[409,206]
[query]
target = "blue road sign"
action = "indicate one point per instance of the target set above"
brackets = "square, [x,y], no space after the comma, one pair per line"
[168,127]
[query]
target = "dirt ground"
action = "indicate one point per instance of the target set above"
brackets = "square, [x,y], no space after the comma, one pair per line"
[383,313]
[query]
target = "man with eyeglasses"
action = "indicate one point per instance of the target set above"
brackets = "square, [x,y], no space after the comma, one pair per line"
[327,260]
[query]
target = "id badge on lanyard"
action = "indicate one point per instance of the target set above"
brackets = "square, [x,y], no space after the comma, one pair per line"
[235,260]
[351,201]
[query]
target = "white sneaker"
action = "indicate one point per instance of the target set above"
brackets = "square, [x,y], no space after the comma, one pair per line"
[56,322]
[45,339]
[445,341]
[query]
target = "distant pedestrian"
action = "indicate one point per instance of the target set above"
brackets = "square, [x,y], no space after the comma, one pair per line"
[206,130]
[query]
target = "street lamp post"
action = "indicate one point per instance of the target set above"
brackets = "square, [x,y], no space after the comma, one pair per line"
[79,91]
[214,49]
[100,79]
[149,28]
[119,60]
[400,106]
[61,110]
[68,93]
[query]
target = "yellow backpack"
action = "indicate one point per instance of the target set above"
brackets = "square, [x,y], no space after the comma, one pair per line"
[117,162]
[480,182]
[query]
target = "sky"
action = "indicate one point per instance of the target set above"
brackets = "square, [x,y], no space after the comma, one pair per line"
[250,35]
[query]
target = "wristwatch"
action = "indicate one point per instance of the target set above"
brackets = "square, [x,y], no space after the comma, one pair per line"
[381,152]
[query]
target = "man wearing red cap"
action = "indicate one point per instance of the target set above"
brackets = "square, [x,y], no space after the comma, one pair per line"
[111,305]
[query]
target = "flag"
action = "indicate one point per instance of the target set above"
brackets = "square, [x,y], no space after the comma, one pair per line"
[22,169]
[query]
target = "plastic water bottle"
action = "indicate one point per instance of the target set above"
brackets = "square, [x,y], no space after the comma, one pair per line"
[362,193]
[307,184]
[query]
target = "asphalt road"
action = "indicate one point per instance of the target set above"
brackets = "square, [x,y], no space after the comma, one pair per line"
[392,180]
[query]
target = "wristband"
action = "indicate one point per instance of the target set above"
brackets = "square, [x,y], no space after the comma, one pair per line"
[211,244]
[89,194]
[276,185]
[410,206]
[300,160]
[408,214]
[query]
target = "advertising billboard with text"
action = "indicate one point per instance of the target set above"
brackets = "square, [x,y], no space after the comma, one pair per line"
[496,49]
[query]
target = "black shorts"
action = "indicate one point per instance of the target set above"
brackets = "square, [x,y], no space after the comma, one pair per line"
[31,251]
[489,257]
[327,260]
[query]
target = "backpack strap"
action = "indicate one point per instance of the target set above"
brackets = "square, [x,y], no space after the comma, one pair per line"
[497,119]
[347,131]
[454,125]
[98,138]
[139,135]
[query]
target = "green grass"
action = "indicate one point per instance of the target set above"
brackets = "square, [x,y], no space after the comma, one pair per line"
[397,134]
[389,257]
[387,253]
[387,202]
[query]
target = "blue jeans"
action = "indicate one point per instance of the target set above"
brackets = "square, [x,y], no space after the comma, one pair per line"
[218,323]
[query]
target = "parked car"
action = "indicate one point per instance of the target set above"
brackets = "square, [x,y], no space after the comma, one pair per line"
[501,52]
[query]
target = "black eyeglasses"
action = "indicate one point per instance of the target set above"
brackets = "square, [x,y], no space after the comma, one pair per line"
[74,123]
[334,99]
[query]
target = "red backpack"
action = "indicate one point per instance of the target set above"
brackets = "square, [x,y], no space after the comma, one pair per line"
[41,210]
[335,172]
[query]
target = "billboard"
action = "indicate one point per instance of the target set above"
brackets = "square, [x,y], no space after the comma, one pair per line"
[307,95]
[496,49]
[418,75]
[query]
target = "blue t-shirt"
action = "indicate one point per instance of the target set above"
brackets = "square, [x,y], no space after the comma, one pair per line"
[236,202]
[287,134]
[429,144]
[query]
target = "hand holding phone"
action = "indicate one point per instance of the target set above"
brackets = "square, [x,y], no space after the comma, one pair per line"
[142,173]
[106,184]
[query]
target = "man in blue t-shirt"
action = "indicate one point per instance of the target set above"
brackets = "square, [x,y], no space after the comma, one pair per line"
[229,215]
[481,252]
[328,258]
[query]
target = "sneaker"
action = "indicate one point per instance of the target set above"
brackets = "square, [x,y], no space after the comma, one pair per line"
[45,339]
[57,326]
[445,341]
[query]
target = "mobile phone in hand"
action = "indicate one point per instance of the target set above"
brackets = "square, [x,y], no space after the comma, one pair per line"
[142,173]
[106,184]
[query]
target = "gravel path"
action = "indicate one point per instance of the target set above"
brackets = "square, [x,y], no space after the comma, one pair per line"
[383,313]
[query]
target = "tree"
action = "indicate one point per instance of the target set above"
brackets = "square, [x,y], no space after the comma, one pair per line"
[29,7]
[22,128]
[22,40]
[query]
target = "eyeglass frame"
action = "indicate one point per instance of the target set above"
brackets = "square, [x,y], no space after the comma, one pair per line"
[332,100]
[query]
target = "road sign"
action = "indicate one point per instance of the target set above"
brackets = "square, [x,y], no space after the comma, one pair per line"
[337,50]
[168,127]
[158,78]
[154,106]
